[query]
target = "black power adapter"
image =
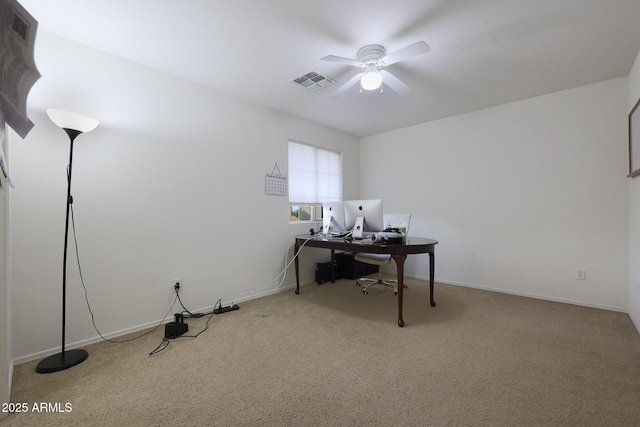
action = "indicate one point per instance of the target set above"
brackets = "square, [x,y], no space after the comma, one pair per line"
[176,328]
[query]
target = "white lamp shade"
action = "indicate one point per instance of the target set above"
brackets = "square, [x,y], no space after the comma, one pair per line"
[371,80]
[74,121]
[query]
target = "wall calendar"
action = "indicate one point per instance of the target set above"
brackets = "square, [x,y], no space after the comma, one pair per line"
[275,183]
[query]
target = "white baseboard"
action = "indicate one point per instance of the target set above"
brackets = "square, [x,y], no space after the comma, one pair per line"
[636,322]
[92,340]
[524,294]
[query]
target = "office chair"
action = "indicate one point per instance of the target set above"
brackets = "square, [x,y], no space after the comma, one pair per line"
[399,221]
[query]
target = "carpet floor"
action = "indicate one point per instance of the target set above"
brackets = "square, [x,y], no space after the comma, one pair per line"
[332,356]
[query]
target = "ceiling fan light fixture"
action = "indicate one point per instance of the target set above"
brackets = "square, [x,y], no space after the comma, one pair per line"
[371,80]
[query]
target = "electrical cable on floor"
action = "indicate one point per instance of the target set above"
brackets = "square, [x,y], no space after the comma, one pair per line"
[189,314]
[166,341]
[197,315]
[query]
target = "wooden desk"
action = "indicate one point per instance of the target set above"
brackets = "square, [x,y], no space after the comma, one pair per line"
[398,251]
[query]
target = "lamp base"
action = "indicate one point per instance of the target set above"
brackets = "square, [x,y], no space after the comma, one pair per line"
[57,363]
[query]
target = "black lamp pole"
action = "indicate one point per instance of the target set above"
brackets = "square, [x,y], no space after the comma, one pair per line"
[65,359]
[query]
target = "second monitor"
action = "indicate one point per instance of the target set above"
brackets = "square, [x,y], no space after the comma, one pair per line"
[333,218]
[363,216]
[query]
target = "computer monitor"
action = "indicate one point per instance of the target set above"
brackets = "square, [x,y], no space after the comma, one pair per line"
[371,213]
[333,217]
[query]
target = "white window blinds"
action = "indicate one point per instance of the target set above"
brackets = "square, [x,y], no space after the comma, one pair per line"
[315,174]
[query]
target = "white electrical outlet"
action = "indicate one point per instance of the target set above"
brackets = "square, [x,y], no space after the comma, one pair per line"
[579,274]
[177,284]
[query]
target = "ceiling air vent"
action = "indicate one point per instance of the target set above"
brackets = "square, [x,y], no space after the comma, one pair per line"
[313,81]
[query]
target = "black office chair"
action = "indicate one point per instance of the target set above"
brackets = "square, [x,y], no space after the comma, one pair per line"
[399,221]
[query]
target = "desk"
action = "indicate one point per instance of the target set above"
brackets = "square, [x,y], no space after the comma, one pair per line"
[398,251]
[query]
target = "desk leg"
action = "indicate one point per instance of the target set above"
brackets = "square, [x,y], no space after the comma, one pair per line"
[399,259]
[333,266]
[432,263]
[295,251]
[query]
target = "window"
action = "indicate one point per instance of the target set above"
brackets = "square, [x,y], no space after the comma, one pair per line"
[315,177]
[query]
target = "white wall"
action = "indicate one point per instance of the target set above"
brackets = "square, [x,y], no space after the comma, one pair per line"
[634,212]
[170,185]
[519,196]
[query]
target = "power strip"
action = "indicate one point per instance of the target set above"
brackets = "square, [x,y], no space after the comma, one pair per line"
[221,309]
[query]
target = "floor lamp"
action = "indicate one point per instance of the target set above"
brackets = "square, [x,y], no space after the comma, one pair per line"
[73,124]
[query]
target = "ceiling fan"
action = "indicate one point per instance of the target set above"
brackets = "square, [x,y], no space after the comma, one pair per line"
[371,59]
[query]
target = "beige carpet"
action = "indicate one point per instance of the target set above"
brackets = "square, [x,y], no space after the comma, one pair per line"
[332,356]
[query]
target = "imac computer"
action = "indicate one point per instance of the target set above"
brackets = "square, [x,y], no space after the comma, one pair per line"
[364,217]
[333,218]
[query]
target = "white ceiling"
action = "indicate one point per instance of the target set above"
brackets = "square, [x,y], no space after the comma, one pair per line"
[483,52]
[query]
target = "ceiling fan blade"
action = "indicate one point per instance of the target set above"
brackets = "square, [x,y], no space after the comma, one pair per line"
[342,89]
[418,48]
[341,60]
[394,83]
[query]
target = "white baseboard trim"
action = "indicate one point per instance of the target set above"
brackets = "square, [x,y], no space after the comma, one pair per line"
[253,295]
[524,294]
[636,322]
[92,340]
